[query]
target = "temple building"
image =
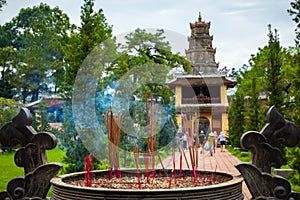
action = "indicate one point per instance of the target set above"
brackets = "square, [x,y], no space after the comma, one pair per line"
[201,97]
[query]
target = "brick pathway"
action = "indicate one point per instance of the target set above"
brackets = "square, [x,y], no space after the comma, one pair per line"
[224,161]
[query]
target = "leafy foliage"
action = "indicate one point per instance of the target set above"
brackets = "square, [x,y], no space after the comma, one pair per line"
[92,32]
[2,3]
[6,88]
[295,12]
[149,51]
[40,122]
[36,35]
[260,85]
[274,85]
[273,74]
[294,163]
[9,108]
[236,119]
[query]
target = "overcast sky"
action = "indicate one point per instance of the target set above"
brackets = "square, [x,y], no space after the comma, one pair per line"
[239,27]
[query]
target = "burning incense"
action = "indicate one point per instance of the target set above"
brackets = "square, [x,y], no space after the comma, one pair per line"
[162,165]
[213,176]
[180,167]
[196,148]
[113,124]
[192,161]
[146,161]
[174,166]
[153,135]
[87,171]
[170,182]
[204,179]
[110,172]
[153,165]
[187,163]
[136,156]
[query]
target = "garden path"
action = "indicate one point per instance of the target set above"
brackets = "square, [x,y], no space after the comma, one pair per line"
[224,161]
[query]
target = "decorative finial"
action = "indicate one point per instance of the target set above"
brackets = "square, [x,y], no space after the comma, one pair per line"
[199,18]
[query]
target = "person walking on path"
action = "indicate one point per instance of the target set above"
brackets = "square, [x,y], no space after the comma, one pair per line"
[201,140]
[180,139]
[222,139]
[211,142]
[216,140]
[184,140]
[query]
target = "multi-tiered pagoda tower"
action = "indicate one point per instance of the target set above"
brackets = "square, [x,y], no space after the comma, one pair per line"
[200,52]
[201,97]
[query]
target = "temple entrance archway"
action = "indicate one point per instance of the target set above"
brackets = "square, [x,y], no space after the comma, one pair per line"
[204,124]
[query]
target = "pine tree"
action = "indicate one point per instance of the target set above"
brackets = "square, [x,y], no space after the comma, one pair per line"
[236,119]
[93,31]
[295,12]
[254,117]
[293,111]
[273,66]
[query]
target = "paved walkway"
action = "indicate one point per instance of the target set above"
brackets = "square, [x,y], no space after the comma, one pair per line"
[223,161]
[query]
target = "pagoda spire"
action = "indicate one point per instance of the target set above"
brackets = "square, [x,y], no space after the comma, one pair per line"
[199,17]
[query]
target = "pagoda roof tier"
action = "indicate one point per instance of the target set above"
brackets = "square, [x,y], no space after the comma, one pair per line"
[202,80]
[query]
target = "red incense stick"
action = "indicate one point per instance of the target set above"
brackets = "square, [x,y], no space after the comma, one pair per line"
[180,159]
[174,166]
[146,166]
[136,156]
[87,169]
[170,183]
[213,176]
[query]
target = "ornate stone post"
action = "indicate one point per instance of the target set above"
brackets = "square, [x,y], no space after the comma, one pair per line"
[35,184]
[264,146]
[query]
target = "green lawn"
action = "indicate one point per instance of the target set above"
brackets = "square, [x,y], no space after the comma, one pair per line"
[9,170]
[238,153]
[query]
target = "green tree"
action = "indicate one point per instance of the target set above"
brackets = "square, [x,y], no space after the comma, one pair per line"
[94,31]
[40,122]
[38,35]
[91,37]
[236,119]
[9,108]
[292,71]
[254,112]
[145,48]
[260,84]
[154,53]
[2,3]
[6,70]
[273,66]
[295,12]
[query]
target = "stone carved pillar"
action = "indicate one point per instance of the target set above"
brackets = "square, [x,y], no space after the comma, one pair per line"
[264,146]
[35,184]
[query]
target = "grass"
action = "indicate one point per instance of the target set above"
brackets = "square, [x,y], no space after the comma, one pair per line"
[238,153]
[9,170]
[56,155]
